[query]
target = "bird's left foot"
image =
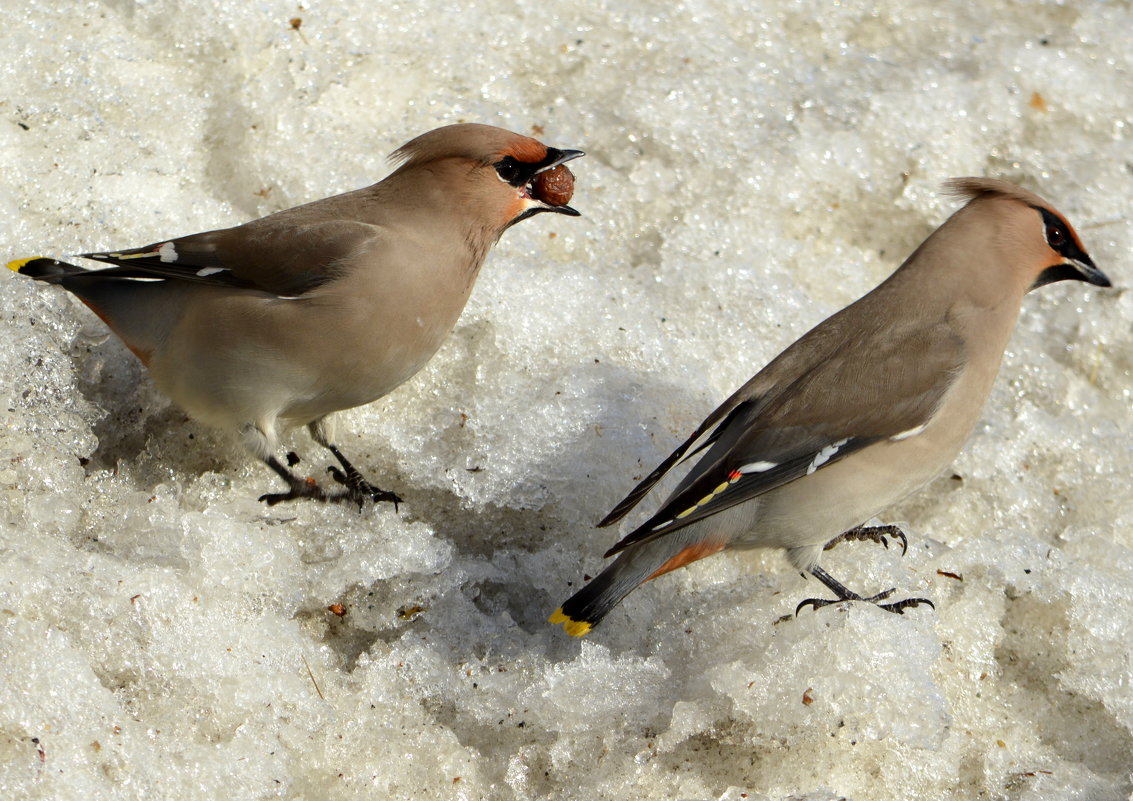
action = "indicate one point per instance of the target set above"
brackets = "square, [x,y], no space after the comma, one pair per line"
[845,594]
[299,488]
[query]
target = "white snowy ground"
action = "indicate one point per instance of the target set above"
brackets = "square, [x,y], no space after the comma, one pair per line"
[750,171]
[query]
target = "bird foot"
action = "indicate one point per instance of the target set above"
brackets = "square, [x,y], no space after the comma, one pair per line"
[356,492]
[300,488]
[359,490]
[871,534]
[897,607]
[846,594]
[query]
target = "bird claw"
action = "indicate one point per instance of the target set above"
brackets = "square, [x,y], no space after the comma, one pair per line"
[817,603]
[359,490]
[897,607]
[358,495]
[844,593]
[871,534]
[368,491]
[300,488]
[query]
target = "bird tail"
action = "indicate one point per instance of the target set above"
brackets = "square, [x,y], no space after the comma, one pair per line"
[43,269]
[635,565]
[116,299]
[594,601]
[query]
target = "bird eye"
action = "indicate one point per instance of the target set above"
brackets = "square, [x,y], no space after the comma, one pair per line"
[508,169]
[1055,236]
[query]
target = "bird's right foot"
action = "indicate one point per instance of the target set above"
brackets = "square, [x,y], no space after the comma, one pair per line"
[359,490]
[876,534]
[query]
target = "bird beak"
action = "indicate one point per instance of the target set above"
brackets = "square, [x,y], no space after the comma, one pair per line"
[1078,268]
[1089,271]
[555,157]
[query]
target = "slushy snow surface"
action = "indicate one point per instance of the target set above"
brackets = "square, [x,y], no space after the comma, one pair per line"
[751,169]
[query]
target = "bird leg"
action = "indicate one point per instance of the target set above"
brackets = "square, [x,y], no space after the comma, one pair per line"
[846,594]
[358,489]
[872,534]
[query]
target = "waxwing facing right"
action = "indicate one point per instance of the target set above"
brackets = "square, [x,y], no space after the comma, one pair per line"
[864,409]
[326,306]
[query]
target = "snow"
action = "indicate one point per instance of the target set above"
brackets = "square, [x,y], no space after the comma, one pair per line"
[750,169]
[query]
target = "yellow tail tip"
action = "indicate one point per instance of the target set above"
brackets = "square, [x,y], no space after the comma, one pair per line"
[17,265]
[575,628]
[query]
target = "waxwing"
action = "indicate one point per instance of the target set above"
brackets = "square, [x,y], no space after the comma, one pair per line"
[864,409]
[326,306]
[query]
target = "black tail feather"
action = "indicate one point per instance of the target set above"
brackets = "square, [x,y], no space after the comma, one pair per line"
[42,269]
[588,606]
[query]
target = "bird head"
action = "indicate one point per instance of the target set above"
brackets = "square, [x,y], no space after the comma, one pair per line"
[1048,244]
[498,176]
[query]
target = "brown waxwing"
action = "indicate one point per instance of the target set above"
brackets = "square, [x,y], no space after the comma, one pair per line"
[861,411]
[326,306]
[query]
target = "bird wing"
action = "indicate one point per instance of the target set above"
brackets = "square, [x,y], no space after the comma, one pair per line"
[857,391]
[270,255]
[722,416]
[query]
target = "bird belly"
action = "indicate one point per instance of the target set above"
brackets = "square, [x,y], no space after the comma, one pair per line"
[374,358]
[238,358]
[806,514]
